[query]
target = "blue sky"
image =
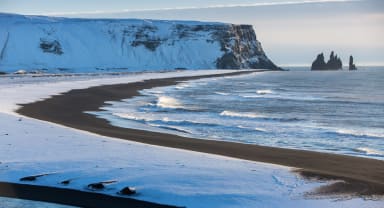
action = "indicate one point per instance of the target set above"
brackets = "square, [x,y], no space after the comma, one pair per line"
[292,32]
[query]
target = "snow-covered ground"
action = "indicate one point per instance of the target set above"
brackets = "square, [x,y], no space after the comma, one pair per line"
[160,174]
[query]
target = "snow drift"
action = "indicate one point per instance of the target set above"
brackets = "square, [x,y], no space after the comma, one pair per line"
[38,43]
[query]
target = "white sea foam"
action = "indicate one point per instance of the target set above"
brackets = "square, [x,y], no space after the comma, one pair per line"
[267,93]
[172,128]
[239,114]
[169,120]
[260,129]
[182,86]
[359,133]
[370,151]
[132,116]
[149,118]
[263,92]
[168,102]
[251,128]
[221,93]
[251,96]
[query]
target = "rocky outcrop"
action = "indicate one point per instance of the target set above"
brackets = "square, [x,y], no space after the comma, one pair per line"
[52,46]
[319,63]
[241,49]
[352,66]
[334,62]
[126,44]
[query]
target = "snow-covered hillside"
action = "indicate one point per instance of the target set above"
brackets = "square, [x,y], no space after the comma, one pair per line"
[36,43]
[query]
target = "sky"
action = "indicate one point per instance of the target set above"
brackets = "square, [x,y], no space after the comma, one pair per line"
[292,32]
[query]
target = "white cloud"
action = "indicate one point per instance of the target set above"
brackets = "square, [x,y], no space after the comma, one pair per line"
[259,4]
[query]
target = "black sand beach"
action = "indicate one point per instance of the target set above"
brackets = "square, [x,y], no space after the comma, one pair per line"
[363,176]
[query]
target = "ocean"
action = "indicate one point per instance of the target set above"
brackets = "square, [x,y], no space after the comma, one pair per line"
[339,112]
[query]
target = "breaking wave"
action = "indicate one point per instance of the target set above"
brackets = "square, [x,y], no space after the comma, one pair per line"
[238,114]
[263,92]
[359,133]
[131,116]
[165,120]
[222,93]
[370,151]
[257,116]
[172,128]
[169,102]
[182,86]
[250,128]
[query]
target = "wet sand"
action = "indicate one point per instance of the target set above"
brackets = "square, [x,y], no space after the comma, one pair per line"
[68,110]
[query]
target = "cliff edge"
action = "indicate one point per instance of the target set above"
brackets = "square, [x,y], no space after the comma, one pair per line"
[84,45]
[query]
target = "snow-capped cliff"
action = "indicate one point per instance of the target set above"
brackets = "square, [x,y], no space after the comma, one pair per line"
[78,45]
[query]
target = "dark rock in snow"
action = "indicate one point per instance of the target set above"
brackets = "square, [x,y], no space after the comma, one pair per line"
[34,177]
[66,182]
[127,191]
[51,46]
[29,178]
[100,185]
[96,186]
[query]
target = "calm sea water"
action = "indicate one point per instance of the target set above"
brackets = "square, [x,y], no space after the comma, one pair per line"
[338,111]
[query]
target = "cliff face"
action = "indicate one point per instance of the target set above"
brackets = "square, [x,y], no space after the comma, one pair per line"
[44,43]
[241,49]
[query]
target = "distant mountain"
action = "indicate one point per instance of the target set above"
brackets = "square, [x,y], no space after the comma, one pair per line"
[38,43]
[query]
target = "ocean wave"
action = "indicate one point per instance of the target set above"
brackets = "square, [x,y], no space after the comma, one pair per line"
[144,118]
[359,133]
[181,86]
[221,93]
[257,116]
[238,114]
[132,116]
[153,91]
[168,102]
[172,128]
[273,95]
[264,92]
[187,122]
[251,128]
[370,151]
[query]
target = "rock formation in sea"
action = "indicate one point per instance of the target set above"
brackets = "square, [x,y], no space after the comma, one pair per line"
[334,62]
[352,66]
[319,63]
[82,45]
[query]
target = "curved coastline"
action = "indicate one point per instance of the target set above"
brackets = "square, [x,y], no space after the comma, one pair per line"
[68,109]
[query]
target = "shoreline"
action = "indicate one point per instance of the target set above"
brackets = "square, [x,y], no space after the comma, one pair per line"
[67,109]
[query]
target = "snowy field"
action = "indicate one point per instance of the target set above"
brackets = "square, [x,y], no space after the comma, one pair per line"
[159,174]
